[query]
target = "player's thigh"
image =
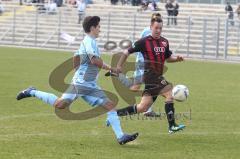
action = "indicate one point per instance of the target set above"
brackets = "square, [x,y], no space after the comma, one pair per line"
[145,103]
[168,95]
[102,105]
[165,89]
[67,98]
[97,97]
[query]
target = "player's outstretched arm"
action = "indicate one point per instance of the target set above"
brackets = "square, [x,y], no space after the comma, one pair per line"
[122,60]
[76,62]
[172,59]
[100,64]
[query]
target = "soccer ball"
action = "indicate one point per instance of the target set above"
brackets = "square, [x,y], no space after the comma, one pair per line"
[180,93]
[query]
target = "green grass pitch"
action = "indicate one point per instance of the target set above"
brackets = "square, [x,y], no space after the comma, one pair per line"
[29,129]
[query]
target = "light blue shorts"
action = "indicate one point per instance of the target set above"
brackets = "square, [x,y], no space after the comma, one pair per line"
[90,93]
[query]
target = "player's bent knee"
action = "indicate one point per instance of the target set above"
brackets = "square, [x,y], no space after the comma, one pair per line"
[169,100]
[110,105]
[168,96]
[61,104]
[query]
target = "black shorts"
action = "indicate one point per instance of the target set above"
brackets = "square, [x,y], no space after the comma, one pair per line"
[156,86]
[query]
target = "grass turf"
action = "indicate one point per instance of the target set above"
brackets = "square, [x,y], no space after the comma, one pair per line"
[30,129]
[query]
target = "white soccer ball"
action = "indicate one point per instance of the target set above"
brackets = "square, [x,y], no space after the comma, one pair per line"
[180,93]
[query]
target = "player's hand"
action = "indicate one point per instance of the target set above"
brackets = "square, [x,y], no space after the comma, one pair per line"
[179,59]
[114,70]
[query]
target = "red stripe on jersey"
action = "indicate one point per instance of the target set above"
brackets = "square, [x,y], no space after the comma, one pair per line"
[150,52]
[158,56]
[162,55]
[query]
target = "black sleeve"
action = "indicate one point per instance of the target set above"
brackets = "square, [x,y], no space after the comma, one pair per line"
[168,53]
[137,46]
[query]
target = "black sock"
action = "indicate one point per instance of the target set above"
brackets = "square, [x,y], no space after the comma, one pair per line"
[169,109]
[132,109]
[154,98]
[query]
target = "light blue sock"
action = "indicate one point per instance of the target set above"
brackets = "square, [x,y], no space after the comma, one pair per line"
[45,97]
[114,121]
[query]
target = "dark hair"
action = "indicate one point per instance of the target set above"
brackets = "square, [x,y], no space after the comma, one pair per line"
[155,15]
[156,19]
[90,21]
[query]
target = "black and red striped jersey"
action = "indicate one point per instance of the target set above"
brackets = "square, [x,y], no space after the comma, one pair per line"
[154,51]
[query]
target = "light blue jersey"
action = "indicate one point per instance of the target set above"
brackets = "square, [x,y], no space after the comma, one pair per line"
[87,72]
[145,32]
[138,73]
[84,82]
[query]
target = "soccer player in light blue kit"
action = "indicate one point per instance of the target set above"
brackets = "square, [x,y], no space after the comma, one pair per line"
[84,82]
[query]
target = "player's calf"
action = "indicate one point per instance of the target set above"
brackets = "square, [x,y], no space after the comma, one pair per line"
[145,103]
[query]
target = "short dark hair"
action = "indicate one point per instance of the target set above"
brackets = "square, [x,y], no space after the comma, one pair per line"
[90,21]
[156,19]
[155,15]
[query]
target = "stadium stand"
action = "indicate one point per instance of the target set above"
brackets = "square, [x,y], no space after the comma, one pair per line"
[118,23]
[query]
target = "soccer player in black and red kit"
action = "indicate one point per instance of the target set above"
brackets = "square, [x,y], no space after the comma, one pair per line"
[155,50]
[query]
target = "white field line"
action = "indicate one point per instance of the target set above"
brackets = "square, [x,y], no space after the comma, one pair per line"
[25,116]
